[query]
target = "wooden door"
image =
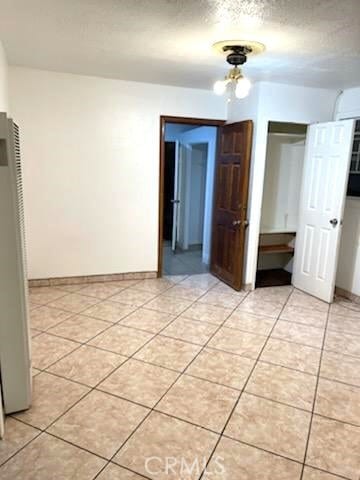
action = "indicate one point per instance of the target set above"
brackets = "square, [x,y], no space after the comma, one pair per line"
[231,198]
[324,182]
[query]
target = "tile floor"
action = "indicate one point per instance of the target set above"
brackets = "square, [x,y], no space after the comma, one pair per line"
[223,384]
[183,262]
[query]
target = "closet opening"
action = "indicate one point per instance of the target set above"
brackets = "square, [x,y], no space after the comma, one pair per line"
[281,197]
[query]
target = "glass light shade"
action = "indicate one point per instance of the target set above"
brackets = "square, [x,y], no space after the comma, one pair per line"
[220,87]
[243,86]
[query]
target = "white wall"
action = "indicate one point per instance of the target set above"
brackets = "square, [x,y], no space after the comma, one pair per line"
[283,172]
[206,135]
[276,102]
[90,149]
[3,80]
[348,104]
[197,193]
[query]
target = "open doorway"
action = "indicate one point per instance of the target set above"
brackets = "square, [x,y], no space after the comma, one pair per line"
[303,204]
[208,202]
[189,167]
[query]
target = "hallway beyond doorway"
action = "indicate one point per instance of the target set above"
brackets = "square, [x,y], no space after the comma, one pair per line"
[188,262]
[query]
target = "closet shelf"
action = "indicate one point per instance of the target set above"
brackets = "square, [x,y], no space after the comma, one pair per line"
[276,249]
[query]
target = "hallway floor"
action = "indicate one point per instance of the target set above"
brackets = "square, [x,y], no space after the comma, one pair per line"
[161,378]
[187,262]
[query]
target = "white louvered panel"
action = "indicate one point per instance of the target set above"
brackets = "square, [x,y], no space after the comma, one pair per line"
[20,197]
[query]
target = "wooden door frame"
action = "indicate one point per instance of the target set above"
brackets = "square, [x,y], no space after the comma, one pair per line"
[164,119]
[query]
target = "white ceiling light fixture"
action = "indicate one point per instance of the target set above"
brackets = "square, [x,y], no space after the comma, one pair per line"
[236,52]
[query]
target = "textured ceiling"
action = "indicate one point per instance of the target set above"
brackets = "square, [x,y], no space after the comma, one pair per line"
[309,42]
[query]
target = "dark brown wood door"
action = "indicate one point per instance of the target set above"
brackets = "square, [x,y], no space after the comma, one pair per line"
[231,198]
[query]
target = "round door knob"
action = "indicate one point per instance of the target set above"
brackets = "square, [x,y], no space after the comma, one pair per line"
[334,222]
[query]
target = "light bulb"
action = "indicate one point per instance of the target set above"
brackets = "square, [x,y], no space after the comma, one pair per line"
[243,86]
[220,87]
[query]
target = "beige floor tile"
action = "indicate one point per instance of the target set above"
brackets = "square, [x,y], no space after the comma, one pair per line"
[338,401]
[236,341]
[221,367]
[236,461]
[190,330]
[99,423]
[334,447]
[171,305]
[220,299]
[72,288]
[314,474]
[186,293]
[300,299]
[79,328]
[155,285]
[109,311]
[35,371]
[281,384]
[33,306]
[101,290]
[131,296]
[257,306]
[340,323]
[17,435]
[87,365]
[48,458]
[140,382]
[273,294]
[271,426]
[296,314]
[204,403]
[47,349]
[298,333]
[345,308]
[148,320]
[45,317]
[175,278]
[251,323]
[114,472]
[160,437]
[43,295]
[223,288]
[34,333]
[52,396]
[169,353]
[292,355]
[342,368]
[74,302]
[344,343]
[123,340]
[207,313]
[202,280]
[123,283]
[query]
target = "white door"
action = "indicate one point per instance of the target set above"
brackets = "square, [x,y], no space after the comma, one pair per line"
[324,183]
[176,199]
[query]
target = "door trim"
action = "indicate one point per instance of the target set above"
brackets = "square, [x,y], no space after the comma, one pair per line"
[181,120]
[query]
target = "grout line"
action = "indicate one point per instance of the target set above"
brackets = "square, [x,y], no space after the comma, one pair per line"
[239,397]
[315,396]
[180,373]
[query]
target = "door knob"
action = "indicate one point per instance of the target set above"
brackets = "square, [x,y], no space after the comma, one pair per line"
[334,222]
[236,222]
[175,201]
